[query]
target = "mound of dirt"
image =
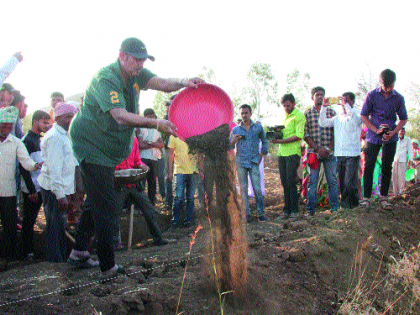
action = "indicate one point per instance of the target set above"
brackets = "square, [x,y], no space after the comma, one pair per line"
[353,262]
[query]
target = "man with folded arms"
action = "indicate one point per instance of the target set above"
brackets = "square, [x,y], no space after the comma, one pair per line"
[102,136]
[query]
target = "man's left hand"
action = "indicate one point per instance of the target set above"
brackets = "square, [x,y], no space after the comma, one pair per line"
[191,82]
[388,136]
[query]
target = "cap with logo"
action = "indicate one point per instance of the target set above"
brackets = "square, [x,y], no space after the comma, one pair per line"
[136,48]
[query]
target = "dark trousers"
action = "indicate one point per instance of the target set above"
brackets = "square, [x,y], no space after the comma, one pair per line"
[99,214]
[288,166]
[161,177]
[30,212]
[169,200]
[371,154]
[151,179]
[141,200]
[8,216]
[348,175]
[55,239]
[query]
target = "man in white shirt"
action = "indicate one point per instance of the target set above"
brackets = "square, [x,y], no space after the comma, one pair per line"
[347,147]
[10,149]
[150,145]
[401,159]
[57,180]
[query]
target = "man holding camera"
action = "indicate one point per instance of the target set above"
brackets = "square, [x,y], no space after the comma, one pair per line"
[379,114]
[246,137]
[289,154]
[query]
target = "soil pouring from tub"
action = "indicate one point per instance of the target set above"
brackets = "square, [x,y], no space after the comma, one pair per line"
[227,239]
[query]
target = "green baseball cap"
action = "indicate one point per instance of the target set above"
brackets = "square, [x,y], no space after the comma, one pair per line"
[136,48]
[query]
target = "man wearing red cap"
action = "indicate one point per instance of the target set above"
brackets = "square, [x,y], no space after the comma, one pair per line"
[57,180]
[102,135]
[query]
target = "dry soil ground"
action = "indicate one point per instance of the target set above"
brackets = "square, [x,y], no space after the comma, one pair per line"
[361,261]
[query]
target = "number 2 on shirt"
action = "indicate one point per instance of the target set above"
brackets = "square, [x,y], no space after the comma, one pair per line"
[114,97]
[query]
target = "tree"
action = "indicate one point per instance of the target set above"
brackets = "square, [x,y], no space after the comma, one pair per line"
[262,86]
[298,84]
[209,76]
[413,124]
[159,103]
[413,92]
[367,82]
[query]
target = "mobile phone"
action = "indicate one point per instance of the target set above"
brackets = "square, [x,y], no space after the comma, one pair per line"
[333,100]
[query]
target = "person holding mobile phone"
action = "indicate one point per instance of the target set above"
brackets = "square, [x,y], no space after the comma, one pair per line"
[246,138]
[347,147]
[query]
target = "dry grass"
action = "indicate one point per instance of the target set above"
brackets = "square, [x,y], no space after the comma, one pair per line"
[401,272]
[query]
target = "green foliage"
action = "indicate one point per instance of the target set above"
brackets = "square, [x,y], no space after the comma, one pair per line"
[413,125]
[299,85]
[262,86]
[209,76]
[367,82]
[413,92]
[159,103]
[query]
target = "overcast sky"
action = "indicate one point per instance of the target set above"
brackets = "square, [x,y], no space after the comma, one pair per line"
[65,42]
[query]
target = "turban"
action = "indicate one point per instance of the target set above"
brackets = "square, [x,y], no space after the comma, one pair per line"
[63,108]
[9,114]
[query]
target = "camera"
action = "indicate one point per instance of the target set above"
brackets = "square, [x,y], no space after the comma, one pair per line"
[384,129]
[275,132]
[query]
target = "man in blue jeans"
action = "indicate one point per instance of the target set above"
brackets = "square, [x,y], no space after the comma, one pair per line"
[321,143]
[186,170]
[246,137]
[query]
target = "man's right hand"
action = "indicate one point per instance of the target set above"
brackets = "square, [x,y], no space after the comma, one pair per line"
[236,138]
[63,204]
[323,153]
[170,177]
[166,127]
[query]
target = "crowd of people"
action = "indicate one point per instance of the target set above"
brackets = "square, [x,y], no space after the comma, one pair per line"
[70,153]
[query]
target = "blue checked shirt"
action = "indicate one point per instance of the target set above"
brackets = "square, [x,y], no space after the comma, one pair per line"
[247,150]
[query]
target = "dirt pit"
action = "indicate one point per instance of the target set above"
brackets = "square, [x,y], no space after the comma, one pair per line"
[360,261]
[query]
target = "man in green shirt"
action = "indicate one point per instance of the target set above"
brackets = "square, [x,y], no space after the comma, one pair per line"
[290,154]
[102,135]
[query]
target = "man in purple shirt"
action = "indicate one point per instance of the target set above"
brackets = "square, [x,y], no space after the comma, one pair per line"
[379,114]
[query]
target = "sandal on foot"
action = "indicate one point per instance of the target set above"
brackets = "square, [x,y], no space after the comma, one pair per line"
[83,263]
[364,202]
[385,204]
